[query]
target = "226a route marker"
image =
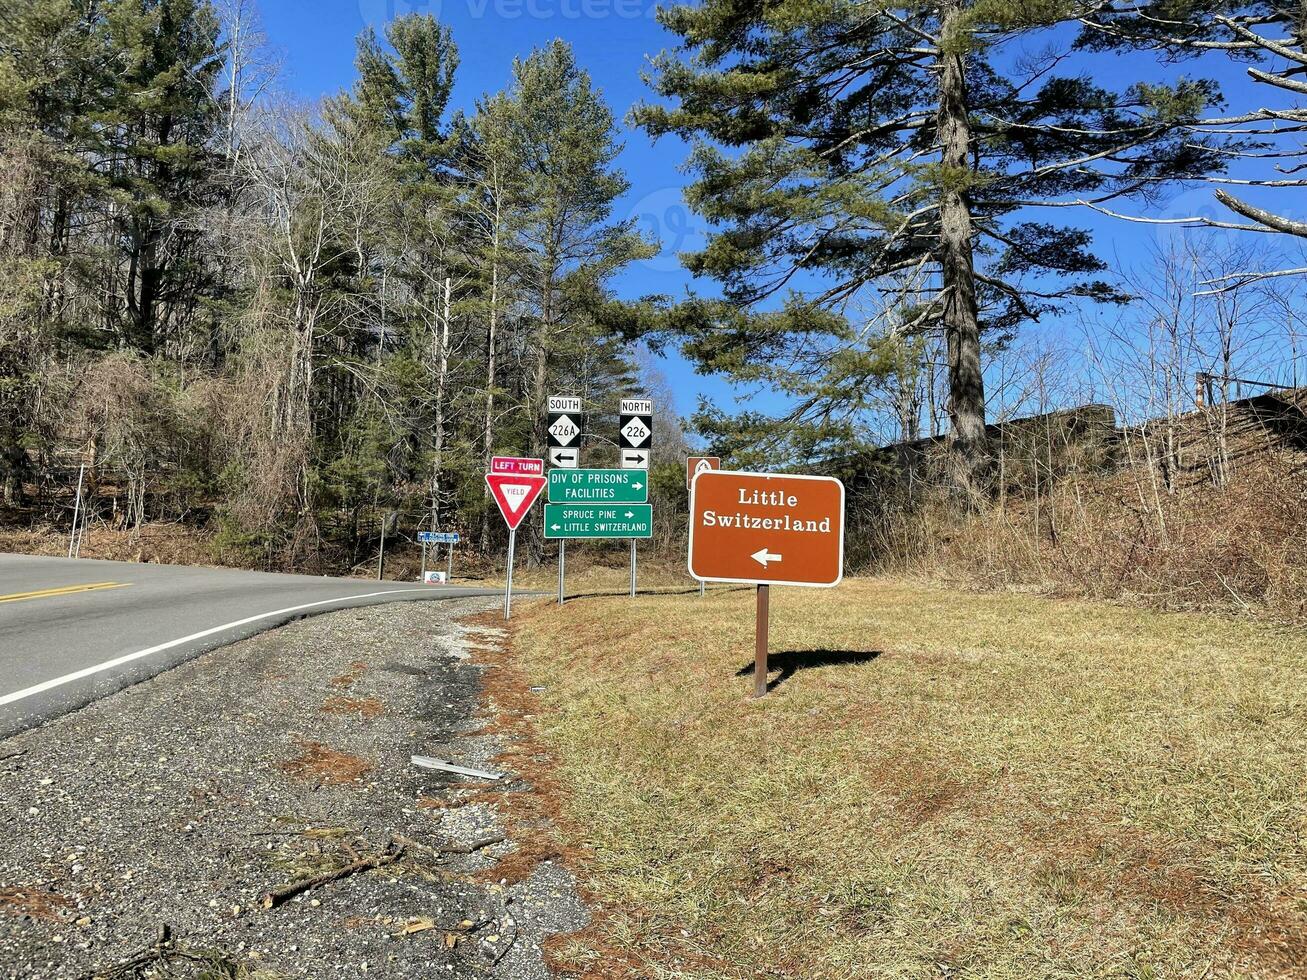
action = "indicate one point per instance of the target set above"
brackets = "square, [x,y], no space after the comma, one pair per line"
[766,529]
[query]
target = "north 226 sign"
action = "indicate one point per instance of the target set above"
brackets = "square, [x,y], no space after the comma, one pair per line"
[635,433]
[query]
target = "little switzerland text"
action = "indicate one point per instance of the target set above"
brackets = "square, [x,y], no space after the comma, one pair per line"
[713,519]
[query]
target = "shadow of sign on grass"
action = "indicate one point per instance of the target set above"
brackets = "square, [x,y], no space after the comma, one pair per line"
[790,662]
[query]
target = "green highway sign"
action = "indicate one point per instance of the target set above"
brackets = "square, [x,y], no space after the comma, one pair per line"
[598,487]
[599,520]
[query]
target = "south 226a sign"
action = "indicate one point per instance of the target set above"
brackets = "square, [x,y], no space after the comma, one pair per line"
[635,433]
[564,429]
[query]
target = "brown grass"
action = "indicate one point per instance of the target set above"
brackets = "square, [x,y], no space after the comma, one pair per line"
[366,708]
[1242,547]
[351,674]
[37,903]
[1015,787]
[325,765]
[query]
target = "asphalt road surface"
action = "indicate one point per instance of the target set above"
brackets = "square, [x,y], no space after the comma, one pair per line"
[72,631]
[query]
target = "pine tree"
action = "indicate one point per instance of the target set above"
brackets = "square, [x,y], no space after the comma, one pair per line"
[1268,39]
[844,149]
[155,134]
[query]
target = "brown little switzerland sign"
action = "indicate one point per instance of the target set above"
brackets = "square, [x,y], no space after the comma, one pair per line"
[767,529]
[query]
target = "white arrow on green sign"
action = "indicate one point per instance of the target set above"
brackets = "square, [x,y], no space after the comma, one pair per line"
[598,520]
[598,486]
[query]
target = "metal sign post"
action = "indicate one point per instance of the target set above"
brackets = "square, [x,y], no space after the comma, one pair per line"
[508,586]
[433,538]
[565,430]
[635,445]
[73,542]
[760,644]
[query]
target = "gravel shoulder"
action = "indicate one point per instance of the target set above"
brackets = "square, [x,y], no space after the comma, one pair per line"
[139,836]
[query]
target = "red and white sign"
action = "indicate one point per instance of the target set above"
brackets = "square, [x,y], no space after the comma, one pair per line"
[767,529]
[517,465]
[516,483]
[697,464]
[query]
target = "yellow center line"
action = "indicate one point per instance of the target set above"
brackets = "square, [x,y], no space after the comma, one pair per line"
[62,590]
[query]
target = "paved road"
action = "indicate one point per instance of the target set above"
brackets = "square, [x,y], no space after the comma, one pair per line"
[72,631]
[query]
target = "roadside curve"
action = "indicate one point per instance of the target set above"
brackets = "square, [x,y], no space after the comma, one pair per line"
[73,631]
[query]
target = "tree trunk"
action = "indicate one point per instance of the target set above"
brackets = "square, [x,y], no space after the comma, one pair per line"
[969,450]
[539,395]
[442,379]
[488,434]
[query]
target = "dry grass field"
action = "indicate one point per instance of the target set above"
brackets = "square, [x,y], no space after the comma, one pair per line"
[940,784]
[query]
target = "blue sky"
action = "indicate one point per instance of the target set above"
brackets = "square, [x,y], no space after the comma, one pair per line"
[613,40]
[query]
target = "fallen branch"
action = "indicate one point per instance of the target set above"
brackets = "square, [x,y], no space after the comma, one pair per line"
[277,897]
[475,845]
[162,952]
[439,852]
[413,845]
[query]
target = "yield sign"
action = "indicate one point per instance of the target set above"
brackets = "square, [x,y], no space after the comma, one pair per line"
[514,494]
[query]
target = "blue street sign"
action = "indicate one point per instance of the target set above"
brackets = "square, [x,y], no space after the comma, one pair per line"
[438,537]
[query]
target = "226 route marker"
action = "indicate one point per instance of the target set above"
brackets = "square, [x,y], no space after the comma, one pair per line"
[767,529]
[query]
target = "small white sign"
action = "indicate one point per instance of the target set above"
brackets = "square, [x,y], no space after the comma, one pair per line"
[436,578]
[565,430]
[637,406]
[564,405]
[560,458]
[635,459]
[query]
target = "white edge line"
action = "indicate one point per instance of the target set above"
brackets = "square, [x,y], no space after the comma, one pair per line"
[78,675]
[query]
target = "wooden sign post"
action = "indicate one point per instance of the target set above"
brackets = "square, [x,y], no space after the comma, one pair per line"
[766,529]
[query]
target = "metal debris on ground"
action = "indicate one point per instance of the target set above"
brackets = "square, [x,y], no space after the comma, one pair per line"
[427,762]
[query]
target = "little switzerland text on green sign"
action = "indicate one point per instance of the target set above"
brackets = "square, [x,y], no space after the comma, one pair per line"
[598,521]
[598,486]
